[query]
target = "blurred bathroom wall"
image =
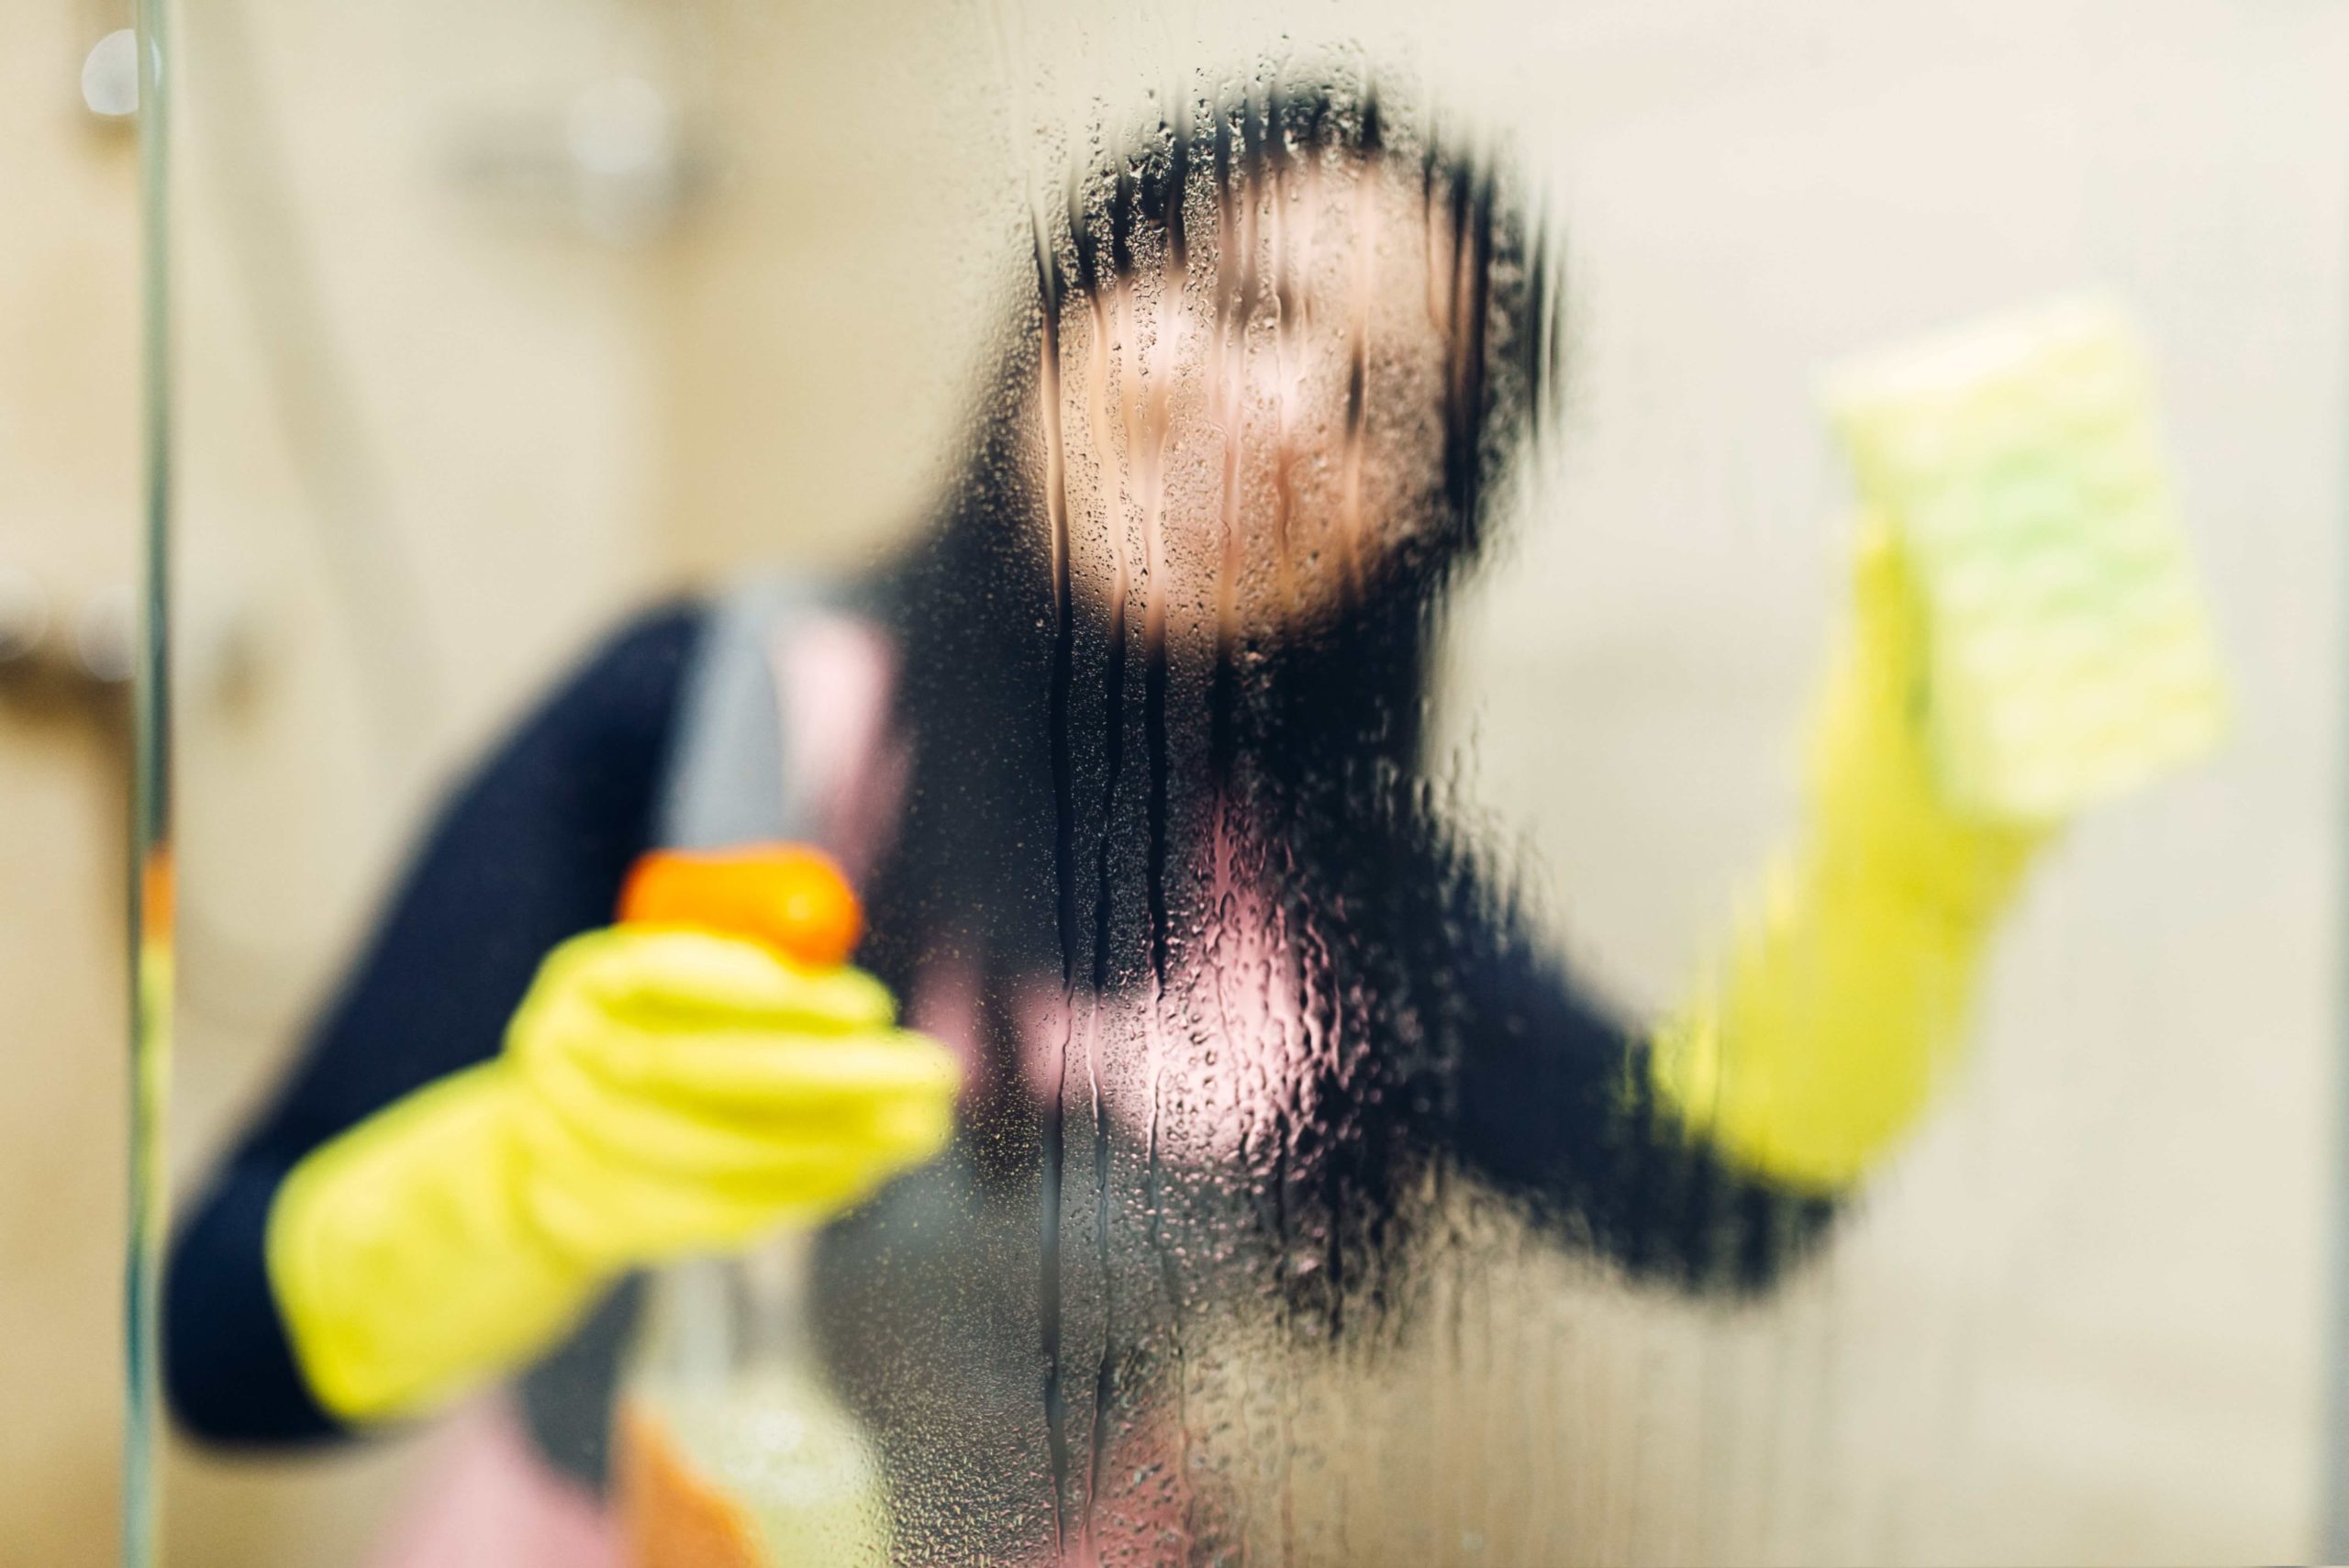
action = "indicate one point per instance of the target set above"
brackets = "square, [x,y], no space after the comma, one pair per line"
[417,437]
[483,343]
[68,489]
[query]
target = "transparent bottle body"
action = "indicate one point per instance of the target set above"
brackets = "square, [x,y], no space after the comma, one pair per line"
[735,1450]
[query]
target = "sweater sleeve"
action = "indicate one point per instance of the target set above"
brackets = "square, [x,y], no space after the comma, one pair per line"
[1553,1104]
[529,850]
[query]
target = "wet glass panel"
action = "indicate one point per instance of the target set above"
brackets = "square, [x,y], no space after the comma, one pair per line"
[1597,742]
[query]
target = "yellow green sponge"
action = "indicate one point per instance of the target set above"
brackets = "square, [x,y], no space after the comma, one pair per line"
[2019,466]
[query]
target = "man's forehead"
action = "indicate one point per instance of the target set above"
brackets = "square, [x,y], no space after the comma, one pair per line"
[1352,235]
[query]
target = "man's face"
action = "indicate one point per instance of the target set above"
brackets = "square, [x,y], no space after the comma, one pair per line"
[1237,445]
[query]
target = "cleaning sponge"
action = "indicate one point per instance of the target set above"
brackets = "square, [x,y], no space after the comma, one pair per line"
[2018,466]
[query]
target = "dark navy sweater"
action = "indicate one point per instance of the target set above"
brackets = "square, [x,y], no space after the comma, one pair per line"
[531,849]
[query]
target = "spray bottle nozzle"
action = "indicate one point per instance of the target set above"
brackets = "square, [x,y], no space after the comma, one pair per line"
[793,899]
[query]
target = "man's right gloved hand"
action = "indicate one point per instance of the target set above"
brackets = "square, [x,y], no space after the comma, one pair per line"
[661,1091]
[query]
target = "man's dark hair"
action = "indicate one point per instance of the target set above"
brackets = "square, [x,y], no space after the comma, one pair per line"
[1138,207]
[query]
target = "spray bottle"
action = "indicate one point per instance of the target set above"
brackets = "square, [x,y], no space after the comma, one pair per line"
[732,1450]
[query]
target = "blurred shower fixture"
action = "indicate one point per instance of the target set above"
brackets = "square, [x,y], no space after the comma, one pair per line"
[106,636]
[24,618]
[617,161]
[110,75]
[56,665]
[98,71]
[622,129]
[56,660]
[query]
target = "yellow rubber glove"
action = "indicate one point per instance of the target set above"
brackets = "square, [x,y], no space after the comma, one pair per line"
[661,1091]
[1843,996]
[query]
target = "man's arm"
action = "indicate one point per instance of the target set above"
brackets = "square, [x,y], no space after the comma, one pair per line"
[1710,1150]
[1843,1000]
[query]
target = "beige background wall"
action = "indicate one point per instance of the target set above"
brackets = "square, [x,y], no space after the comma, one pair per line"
[2079,1324]
[419,437]
[68,335]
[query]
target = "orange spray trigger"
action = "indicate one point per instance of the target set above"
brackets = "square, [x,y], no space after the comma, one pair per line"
[793,899]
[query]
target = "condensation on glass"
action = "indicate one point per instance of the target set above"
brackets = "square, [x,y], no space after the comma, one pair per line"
[1361,571]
